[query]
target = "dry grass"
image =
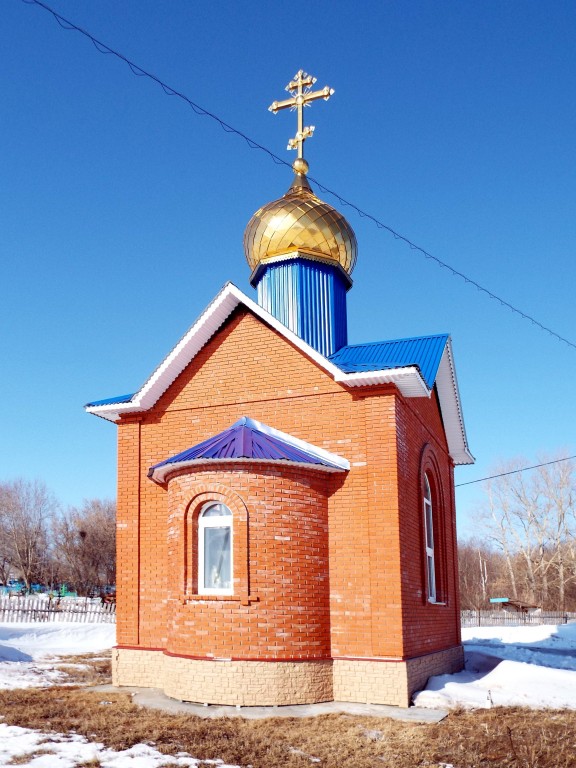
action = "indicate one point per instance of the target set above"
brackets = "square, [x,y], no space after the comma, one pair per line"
[25,758]
[499,737]
[86,669]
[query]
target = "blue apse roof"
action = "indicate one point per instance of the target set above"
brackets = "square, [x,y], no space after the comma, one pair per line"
[249,439]
[425,352]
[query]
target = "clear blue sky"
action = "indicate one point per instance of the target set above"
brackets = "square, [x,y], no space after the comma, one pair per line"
[122,212]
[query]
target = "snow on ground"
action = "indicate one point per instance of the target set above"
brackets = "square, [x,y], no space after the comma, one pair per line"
[28,654]
[28,650]
[54,750]
[510,666]
[37,640]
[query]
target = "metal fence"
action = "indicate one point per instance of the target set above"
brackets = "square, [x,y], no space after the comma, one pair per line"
[34,608]
[514,618]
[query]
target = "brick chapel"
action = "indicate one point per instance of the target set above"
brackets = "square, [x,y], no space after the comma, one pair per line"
[290,495]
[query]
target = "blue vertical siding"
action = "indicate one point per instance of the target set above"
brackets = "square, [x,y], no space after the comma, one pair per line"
[308,297]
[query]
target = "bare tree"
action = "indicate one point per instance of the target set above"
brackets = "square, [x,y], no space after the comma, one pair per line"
[473,574]
[557,487]
[498,523]
[85,542]
[483,574]
[26,508]
[5,558]
[530,518]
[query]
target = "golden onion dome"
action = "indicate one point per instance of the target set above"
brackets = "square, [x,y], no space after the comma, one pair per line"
[300,222]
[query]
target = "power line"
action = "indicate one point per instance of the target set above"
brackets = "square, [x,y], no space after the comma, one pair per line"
[201,111]
[515,471]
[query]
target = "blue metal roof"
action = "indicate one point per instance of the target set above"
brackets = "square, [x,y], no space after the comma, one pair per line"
[425,352]
[249,439]
[111,400]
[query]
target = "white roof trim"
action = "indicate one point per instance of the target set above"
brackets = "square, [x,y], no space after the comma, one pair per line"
[161,473]
[449,397]
[408,380]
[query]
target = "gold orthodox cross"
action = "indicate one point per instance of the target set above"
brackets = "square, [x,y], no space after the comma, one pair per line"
[302,94]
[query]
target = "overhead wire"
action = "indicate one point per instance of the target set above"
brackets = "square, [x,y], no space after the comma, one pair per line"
[515,471]
[201,111]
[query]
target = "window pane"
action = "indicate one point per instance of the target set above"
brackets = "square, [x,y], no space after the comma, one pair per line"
[431,579]
[427,492]
[216,510]
[217,558]
[429,536]
[429,526]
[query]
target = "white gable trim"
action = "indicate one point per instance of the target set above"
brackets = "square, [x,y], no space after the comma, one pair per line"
[408,380]
[449,397]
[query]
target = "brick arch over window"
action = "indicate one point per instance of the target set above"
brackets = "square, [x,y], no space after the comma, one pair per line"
[187,501]
[432,500]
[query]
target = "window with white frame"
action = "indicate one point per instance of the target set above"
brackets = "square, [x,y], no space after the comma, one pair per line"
[429,541]
[215,550]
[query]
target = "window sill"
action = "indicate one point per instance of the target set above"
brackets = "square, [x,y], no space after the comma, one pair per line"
[436,602]
[211,597]
[194,598]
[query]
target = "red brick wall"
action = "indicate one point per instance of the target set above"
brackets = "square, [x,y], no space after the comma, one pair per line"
[282,575]
[427,627]
[128,533]
[374,513]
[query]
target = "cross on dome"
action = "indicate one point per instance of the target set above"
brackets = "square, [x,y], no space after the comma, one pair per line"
[302,94]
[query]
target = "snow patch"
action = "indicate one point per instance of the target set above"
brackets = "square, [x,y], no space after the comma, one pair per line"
[531,666]
[59,751]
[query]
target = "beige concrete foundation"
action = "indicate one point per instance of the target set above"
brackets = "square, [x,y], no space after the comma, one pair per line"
[144,669]
[442,663]
[391,682]
[266,683]
[240,683]
[248,683]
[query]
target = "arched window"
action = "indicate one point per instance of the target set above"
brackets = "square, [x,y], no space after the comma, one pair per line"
[215,550]
[429,540]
